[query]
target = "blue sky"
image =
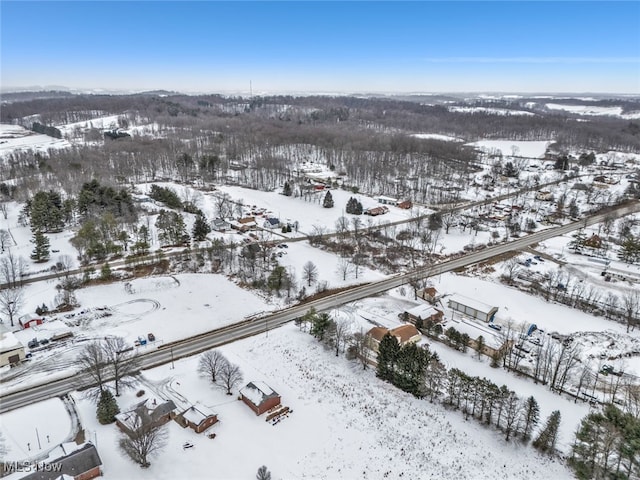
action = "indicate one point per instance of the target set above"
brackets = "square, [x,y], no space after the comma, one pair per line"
[454,46]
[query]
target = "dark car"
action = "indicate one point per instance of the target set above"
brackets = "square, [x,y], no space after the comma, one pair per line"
[151,337]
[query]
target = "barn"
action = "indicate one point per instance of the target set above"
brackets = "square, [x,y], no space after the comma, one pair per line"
[259,397]
[472,308]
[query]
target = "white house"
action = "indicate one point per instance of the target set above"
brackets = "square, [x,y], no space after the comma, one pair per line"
[11,350]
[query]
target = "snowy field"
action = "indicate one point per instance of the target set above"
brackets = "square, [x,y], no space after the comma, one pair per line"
[437,136]
[16,139]
[494,111]
[345,424]
[516,148]
[593,110]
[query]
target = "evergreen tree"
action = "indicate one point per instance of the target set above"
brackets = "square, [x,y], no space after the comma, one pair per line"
[388,351]
[546,441]
[105,272]
[287,190]
[171,227]
[201,229]
[578,240]
[435,221]
[531,417]
[263,473]
[319,326]
[328,200]
[40,251]
[107,408]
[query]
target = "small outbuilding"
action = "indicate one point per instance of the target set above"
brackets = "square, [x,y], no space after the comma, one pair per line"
[30,320]
[197,417]
[11,350]
[259,397]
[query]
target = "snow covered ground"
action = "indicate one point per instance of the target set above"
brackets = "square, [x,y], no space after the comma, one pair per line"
[516,148]
[593,110]
[437,136]
[345,424]
[494,111]
[15,139]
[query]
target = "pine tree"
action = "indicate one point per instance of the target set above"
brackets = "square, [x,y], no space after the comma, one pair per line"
[546,441]
[201,229]
[328,201]
[107,408]
[41,250]
[320,325]
[263,473]
[105,272]
[388,351]
[286,190]
[531,417]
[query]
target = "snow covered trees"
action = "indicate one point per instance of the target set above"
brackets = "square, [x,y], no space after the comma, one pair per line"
[309,273]
[546,440]
[41,244]
[201,229]
[107,408]
[171,228]
[354,206]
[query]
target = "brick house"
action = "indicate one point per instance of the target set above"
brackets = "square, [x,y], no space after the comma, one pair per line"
[429,294]
[197,417]
[81,464]
[145,413]
[259,397]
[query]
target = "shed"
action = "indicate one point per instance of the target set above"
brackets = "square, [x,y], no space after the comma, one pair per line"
[11,350]
[429,294]
[81,464]
[197,417]
[472,308]
[259,396]
[387,200]
[29,320]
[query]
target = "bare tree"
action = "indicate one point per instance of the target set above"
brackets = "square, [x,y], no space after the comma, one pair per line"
[12,269]
[511,269]
[93,362]
[5,240]
[344,267]
[211,364]
[340,333]
[144,440]
[122,361]
[310,273]
[360,346]
[631,306]
[231,376]
[11,301]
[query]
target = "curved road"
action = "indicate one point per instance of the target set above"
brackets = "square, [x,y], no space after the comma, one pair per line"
[254,326]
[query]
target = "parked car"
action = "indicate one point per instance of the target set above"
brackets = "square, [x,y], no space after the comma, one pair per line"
[151,337]
[495,326]
[33,343]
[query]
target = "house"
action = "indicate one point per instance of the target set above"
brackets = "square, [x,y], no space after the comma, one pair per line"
[387,200]
[374,212]
[29,320]
[11,350]
[197,417]
[544,195]
[429,294]
[80,464]
[405,204]
[259,397]
[594,241]
[147,412]
[271,223]
[472,308]
[424,313]
[244,224]
[220,225]
[492,343]
[405,334]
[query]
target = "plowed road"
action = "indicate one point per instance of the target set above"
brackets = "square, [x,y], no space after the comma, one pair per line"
[190,346]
